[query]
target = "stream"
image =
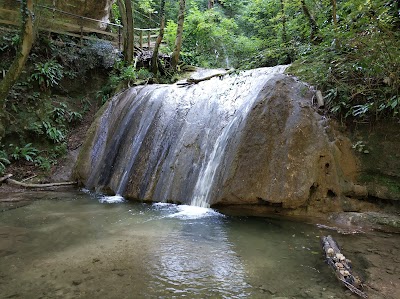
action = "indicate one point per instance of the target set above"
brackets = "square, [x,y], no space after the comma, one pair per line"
[82,245]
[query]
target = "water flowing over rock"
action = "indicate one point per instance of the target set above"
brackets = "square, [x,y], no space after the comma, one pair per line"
[248,138]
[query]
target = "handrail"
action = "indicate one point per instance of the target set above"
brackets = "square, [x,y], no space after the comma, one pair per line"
[147,17]
[80,17]
[145,35]
[146,29]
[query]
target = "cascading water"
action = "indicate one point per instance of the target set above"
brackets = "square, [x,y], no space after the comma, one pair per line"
[244,97]
[173,143]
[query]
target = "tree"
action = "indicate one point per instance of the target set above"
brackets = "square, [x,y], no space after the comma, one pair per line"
[27,37]
[129,32]
[179,34]
[334,21]
[313,24]
[284,35]
[210,4]
[125,9]
[154,59]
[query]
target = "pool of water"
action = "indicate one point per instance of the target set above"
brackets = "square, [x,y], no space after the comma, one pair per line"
[80,245]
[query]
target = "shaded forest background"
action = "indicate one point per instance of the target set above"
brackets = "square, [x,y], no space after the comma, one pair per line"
[349,50]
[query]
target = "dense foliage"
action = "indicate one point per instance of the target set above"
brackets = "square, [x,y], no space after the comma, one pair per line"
[48,100]
[348,49]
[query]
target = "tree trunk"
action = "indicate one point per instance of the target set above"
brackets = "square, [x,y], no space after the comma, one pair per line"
[128,44]
[210,4]
[284,34]
[122,11]
[334,20]
[27,37]
[154,59]
[313,24]
[179,33]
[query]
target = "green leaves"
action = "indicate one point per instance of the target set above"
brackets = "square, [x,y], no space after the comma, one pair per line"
[53,133]
[27,152]
[3,161]
[47,74]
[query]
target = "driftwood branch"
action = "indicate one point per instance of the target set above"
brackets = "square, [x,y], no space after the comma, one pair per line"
[5,178]
[29,178]
[26,185]
[8,180]
[341,266]
[195,81]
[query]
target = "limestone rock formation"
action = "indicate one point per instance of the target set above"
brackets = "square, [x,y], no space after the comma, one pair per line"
[288,153]
[253,139]
[94,9]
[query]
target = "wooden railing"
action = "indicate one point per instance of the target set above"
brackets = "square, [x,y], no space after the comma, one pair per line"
[145,38]
[54,20]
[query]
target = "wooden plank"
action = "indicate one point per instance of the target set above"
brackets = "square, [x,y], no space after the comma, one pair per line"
[61,32]
[70,34]
[8,11]
[145,37]
[146,29]
[74,27]
[53,9]
[9,22]
[8,29]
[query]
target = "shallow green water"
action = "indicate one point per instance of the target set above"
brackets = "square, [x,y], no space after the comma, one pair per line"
[74,246]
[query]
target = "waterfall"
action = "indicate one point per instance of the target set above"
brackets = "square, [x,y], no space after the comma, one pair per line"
[212,164]
[173,143]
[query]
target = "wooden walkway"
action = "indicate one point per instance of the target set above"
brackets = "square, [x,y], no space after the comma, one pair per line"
[48,19]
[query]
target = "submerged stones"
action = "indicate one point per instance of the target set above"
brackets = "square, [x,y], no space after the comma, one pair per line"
[252,138]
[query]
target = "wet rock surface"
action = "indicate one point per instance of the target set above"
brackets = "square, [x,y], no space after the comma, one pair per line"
[252,138]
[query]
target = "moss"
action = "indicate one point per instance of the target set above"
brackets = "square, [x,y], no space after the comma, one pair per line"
[391,183]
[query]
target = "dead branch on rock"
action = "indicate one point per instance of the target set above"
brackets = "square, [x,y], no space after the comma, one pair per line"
[195,81]
[29,178]
[341,266]
[7,180]
[4,178]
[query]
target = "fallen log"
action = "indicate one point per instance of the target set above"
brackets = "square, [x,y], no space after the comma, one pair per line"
[7,179]
[341,266]
[29,178]
[195,81]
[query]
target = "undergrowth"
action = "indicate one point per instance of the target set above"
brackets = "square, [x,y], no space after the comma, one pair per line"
[51,97]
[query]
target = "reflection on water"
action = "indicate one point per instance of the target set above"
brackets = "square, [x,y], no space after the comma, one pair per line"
[198,259]
[85,247]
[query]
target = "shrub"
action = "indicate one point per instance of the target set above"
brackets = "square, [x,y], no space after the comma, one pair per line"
[3,161]
[27,152]
[47,74]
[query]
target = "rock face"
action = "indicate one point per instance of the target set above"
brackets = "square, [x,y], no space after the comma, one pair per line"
[252,139]
[287,154]
[378,150]
[94,9]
